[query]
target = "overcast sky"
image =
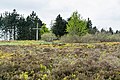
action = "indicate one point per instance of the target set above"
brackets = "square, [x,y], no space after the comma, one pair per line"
[103,13]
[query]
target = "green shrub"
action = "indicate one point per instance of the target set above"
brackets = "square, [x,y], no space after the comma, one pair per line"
[87,38]
[48,37]
[106,37]
[114,38]
[70,38]
[98,37]
[101,37]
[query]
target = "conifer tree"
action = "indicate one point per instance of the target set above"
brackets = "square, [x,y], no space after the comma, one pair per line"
[59,27]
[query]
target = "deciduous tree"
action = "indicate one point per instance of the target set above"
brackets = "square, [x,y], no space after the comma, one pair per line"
[76,25]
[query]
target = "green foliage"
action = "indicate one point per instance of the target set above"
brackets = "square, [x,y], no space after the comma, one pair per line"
[59,27]
[1,21]
[89,26]
[17,27]
[45,77]
[24,76]
[91,30]
[31,23]
[48,37]
[42,68]
[76,25]
[44,29]
[1,24]
[94,30]
[103,31]
[117,32]
[110,30]
[10,21]
[23,30]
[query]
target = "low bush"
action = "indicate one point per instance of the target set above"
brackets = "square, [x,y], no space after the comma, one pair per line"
[70,38]
[114,38]
[106,37]
[49,37]
[102,37]
[87,38]
[98,37]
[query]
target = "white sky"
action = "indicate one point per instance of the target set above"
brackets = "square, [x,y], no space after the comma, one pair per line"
[103,13]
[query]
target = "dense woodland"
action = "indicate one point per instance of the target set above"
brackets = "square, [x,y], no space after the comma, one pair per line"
[15,26]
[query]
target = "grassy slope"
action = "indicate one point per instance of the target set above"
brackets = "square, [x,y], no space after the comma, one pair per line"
[39,60]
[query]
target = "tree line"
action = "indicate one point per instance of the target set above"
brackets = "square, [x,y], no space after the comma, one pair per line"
[76,25]
[16,27]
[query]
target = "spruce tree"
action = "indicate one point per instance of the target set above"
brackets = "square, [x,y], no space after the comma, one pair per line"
[110,30]
[23,29]
[89,26]
[94,30]
[103,31]
[59,27]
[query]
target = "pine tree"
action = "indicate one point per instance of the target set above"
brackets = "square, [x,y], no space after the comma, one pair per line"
[31,22]
[117,32]
[1,21]
[1,24]
[23,29]
[15,26]
[89,26]
[59,27]
[14,22]
[103,31]
[110,30]
[94,30]
[10,22]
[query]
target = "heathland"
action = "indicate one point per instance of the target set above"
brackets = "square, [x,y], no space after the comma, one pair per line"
[39,60]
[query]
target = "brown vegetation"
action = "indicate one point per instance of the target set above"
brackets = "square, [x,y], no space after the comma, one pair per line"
[95,61]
